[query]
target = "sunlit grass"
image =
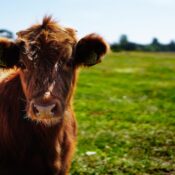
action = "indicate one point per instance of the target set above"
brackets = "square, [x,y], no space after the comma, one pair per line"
[125,108]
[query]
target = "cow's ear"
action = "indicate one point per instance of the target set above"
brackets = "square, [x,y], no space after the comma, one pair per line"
[9,53]
[90,50]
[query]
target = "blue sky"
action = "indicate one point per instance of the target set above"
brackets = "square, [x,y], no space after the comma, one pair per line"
[140,20]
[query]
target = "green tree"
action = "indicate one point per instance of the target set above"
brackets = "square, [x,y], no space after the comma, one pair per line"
[123,40]
[171,46]
[6,33]
[155,45]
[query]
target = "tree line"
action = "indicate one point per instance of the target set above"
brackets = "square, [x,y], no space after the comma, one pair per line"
[154,46]
[123,45]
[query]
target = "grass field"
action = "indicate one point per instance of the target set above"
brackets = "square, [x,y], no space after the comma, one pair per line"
[125,108]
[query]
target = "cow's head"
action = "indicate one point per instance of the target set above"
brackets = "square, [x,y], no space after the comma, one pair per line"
[48,56]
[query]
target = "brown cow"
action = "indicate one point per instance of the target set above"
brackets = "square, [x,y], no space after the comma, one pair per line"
[37,122]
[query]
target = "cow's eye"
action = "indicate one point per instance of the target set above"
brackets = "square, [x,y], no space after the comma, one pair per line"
[21,65]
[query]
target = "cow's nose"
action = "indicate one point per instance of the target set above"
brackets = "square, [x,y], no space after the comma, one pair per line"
[45,110]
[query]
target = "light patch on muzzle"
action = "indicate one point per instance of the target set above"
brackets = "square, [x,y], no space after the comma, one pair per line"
[44,111]
[50,121]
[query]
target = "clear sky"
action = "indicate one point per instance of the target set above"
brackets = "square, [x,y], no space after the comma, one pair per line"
[140,20]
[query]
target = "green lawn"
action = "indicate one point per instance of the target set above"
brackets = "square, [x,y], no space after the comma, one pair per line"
[125,109]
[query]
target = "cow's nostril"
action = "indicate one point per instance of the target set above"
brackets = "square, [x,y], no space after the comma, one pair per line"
[54,109]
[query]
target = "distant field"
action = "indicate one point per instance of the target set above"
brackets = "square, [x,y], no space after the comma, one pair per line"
[125,108]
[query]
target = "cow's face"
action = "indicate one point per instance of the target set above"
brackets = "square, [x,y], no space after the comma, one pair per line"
[47,78]
[47,56]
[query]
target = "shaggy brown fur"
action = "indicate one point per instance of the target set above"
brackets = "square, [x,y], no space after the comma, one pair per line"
[37,123]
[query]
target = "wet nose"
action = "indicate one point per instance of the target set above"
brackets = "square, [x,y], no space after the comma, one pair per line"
[49,109]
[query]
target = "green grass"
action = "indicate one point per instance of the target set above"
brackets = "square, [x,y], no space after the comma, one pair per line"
[125,109]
